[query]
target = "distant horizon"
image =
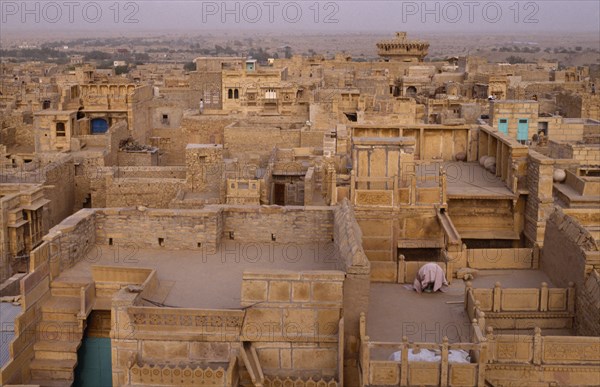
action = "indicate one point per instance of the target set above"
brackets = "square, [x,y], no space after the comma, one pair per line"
[411,34]
[103,18]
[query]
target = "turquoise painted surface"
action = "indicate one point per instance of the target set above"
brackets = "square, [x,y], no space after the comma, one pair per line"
[523,130]
[94,367]
[503,126]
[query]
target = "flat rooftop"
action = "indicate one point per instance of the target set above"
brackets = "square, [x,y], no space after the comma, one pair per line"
[396,311]
[204,279]
[8,313]
[464,180]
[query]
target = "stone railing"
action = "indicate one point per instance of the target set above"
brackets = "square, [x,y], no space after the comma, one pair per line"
[168,323]
[276,381]
[542,299]
[376,372]
[520,258]
[537,349]
[374,192]
[521,308]
[184,375]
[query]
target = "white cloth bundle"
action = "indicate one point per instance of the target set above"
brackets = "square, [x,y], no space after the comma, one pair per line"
[426,355]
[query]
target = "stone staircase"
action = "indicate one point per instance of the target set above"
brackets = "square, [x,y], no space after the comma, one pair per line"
[58,335]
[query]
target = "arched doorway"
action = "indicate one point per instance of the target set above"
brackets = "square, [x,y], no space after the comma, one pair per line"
[411,91]
[99,126]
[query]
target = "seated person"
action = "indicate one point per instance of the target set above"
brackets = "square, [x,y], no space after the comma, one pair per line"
[430,278]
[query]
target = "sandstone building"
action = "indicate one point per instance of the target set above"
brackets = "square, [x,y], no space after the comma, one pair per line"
[269,238]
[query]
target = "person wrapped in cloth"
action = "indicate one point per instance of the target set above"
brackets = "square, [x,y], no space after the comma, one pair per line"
[430,278]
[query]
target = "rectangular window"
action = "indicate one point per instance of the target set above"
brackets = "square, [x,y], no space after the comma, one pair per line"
[60,129]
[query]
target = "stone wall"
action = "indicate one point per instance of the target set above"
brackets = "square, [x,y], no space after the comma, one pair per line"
[540,170]
[588,306]
[152,229]
[298,225]
[587,154]
[138,159]
[148,192]
[563,258]
[348,244]
[292,319]
[205,168]
[255,143]
[35,289]
[560,129]
[513,111]
[579,105]
[71,240]
[17,129]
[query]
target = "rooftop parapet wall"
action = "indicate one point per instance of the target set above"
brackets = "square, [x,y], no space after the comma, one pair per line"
[588,303]
[156,228]
[204,228]
[566,256]
[573,230]
[539,205]
[289,224]
[586,154]
[510,156]
[348,240]
[71,240]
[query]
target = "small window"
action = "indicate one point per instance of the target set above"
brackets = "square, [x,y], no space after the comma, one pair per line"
[231,235]
[236,94]
[503,120]
[230,94]
[110,241]
[161,242]
[522,121]
[60,129]
[165,119]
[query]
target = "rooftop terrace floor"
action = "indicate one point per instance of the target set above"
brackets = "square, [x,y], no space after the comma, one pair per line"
[202,279]
[464,180]
[395,311]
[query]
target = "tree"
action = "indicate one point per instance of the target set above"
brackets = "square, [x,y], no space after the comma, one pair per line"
[515,59]
[121,70]
[189,66]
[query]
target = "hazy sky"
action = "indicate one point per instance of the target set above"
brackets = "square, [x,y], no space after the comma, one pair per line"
[300,16]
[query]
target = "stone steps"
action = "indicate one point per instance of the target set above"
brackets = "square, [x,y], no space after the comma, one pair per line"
[56,350]
[62,304]
[48,330]
[61,370]
[59,335]
[60,316]
[50,383]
